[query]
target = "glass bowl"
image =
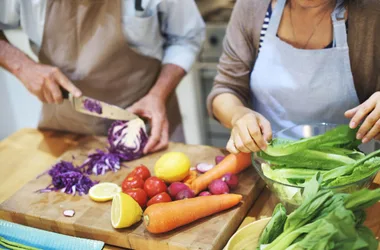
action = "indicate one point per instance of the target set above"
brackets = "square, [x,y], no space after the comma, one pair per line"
[291,195]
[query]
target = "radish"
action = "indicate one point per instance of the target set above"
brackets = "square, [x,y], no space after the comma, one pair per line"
[176,187]
[219,158]
[218,187]
[205,193]
[185,194]
[204,167]
[231,180]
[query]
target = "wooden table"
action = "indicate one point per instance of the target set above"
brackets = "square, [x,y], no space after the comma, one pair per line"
[21,155]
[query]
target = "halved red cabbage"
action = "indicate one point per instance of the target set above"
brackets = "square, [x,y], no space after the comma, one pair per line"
[68,179]
[92,106]
[127,139]
[101,162]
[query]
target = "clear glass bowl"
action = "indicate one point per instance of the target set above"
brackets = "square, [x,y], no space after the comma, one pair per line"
[291,195]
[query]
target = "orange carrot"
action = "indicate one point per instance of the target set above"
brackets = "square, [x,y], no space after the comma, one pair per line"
[190,178]
[230,164]
[163,217]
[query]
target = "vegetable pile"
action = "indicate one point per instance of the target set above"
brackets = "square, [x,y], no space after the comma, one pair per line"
[324,221]
[68,179]
[170,202]
[334,154]
[127,140]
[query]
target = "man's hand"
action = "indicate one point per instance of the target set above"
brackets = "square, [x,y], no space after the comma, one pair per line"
[44,81]
[153,108]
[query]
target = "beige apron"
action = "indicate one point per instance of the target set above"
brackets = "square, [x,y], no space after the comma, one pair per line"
[85,40]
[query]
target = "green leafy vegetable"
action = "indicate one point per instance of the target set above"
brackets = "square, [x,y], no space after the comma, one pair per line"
[341,135]
[275,226]
[308,159]
[325,221]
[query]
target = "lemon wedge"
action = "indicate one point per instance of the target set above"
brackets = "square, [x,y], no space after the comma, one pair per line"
[104,191]
[172,167]
[125,211]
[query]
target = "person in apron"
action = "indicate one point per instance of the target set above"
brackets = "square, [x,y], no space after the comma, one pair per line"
[85,42]
[297,85]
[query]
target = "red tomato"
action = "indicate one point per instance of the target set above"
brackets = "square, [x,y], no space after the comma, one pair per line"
[132,182]
[153,186]
[139,195]
[159,198]
[141,171]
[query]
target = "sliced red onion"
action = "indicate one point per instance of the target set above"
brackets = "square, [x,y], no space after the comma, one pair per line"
[185,194]
[205,193]
[204,167]
[219,158]
[231,180]
[175,188]
[69,213]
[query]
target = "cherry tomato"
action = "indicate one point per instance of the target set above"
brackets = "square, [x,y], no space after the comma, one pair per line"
[132,182]
[139,195]
[153,186]
[159,198]
[141,171]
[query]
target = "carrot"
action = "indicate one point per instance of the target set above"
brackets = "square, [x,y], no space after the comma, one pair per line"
[163,217]
[190,178]
[230,164]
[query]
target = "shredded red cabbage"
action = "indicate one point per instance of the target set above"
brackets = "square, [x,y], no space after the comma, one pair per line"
[93,106]
[101,162]
[68,179]
[127,139]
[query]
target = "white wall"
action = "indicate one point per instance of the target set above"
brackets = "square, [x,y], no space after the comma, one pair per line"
[20,109]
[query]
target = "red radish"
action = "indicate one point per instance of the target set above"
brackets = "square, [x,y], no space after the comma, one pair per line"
[204,167]
[176,187]
[219,158]
[218,187]
[231,180]
[185,194]
[205,193]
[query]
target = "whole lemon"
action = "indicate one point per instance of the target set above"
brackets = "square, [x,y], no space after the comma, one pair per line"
[172,167]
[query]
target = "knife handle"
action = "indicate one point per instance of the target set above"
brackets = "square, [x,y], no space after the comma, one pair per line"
[65,93]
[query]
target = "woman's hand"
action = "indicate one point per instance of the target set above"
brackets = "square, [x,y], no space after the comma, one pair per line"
[250,132]
[153,108]
[44,81]
[369,111]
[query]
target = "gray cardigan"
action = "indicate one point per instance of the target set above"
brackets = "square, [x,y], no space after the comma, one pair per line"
[242,42]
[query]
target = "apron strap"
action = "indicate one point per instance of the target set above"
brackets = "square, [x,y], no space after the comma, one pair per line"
[275,19]
[339,24]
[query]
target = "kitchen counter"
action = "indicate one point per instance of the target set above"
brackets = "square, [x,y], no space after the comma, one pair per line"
[26,153]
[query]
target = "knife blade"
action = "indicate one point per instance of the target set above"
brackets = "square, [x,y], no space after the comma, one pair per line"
[94,107]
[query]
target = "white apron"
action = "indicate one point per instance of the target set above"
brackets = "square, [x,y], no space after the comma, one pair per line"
[293,86]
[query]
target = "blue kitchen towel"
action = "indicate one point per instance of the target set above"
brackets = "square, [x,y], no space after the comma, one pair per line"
[45,240]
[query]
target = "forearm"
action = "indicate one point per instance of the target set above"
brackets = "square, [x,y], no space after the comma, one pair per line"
[169,78]
[227,106]
[11,58]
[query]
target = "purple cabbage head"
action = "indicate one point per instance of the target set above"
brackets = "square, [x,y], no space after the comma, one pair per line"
[127,139]
[93,106]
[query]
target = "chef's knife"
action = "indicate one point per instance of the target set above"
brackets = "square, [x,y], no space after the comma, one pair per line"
[97,108]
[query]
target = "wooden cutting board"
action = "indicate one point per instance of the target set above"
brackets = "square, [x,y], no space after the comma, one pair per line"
[92,220]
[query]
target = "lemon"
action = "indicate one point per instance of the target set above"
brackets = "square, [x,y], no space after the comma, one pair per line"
[125,211]
[104,191]
[172,167]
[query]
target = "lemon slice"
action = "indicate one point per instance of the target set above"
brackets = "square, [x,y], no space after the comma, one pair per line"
[104,191]
[125,211]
